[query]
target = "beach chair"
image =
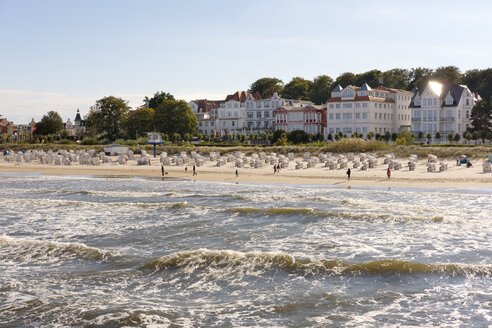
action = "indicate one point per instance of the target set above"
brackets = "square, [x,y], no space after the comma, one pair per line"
[443,166]
[411,166]
[487,167]
[431,167]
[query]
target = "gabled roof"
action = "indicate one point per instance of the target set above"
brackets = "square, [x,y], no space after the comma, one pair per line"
[455,90]
[241,96]
[365,87]
[204,105]
[77,117]
[338,88]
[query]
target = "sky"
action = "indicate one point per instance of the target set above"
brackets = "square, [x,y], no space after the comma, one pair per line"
[64,55]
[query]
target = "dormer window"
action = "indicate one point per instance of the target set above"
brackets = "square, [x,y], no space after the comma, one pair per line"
[347,93]
[362,93]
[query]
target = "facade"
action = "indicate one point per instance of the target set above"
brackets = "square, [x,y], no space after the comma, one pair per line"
[364,109]
[241,112]
[442,107]
[77,128]
[309,118]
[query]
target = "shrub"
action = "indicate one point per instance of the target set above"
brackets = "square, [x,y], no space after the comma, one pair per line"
[65,142]
[89,141]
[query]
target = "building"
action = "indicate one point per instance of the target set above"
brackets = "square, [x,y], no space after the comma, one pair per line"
[364,109]
[241,112]
[308,118]
[77,128]
[442,107]
[6,129]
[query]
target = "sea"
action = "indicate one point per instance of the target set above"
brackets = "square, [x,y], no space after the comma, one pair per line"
[109,251]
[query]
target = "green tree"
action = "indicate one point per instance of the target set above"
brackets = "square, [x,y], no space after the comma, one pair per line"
[267,86]
[345,79]
[51,123]
[447,74]
[457,137]
[277,134]
[157,99]
[320,89]
[176,137]
[408,136]
[397,78]
[419,77]
[450,137]
[438,135]
[297,88]
[479,81]
[298,136]
[481,116]
[107,117]
[421,136]
[175,116]
[387,136]
[370,77]
[370,135]
[140,121]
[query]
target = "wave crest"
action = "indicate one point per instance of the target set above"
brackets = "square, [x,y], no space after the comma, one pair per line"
[31,250]
[251,261]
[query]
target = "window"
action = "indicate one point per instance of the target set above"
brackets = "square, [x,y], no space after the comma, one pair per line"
[337,115]
[331,116]
[364,130]
[347,116]
[331,106]
[380,116]
[467,114]
[250,114]
[266,114]
[365,116]
[435,102]
[376,116]
[357,116]
[347,130]
[232,123]
[347,105]
[357,105]
[258,114]
[337,105]
[467,102]
[347,93]
[364,105]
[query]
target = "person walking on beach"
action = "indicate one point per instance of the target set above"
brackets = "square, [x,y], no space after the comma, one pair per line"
[194,169]
[186,169]
[388,173]
[274,168]
[237,173]
[348,174]
[162,169]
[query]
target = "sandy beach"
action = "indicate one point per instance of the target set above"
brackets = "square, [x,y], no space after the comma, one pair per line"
[455,176]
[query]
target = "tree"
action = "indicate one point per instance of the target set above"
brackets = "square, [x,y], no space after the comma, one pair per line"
[479,81]
[345,79]
[277,134]
[396,78]
[267,86]
[467,135]
[387,136]
[176,137]
[457,137]
[297,88]
[408,136]
[450,137]
[421,136]
[330,137]
[298,136]
[140,121]
[438,135]
[51,123]
[447,74]
[370,135]
[175,116]
[157,99]
[107,117]
[320,89]
[481,117]
[370,77]
[419,77]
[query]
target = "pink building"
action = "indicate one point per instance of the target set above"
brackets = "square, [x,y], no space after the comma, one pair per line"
[310,119]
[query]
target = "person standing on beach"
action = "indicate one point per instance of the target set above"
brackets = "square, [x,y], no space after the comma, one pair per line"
[348,174]
[162,169]
[388,173]
[186,169]
[237,173]
[194,169]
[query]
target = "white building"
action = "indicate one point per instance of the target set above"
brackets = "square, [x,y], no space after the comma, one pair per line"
[241,112]
[442,107]
[363,110]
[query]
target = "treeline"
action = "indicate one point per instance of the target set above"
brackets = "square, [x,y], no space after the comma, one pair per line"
[318,90]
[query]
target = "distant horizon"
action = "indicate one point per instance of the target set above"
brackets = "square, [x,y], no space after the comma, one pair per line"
[61,55]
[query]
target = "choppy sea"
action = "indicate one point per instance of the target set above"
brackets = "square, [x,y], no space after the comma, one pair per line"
[145,252]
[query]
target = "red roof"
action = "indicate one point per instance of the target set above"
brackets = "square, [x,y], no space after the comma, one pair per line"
[241,96]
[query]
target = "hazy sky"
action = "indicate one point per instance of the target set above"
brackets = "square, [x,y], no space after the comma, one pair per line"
[63,55]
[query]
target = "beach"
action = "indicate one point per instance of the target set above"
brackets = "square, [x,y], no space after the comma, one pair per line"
[454,176]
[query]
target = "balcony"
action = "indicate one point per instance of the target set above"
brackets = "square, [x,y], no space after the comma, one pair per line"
[447,119]
[416,119]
